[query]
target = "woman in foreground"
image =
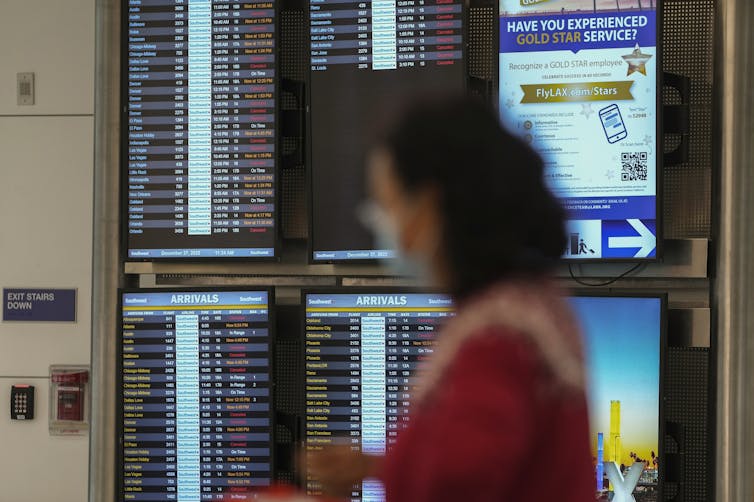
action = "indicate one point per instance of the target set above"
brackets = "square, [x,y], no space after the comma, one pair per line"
[499,413]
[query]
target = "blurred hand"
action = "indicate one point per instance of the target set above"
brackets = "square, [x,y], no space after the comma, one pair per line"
[338,468]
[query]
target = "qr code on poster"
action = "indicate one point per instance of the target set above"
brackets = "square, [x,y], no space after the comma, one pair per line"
[634,166]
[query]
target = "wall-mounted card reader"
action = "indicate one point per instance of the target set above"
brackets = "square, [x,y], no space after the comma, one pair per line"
[22,402]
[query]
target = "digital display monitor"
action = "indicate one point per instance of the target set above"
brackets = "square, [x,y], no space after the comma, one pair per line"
[360,354]
[195,398]
[578,80]
[200,129]
[624,339]
[362,349]
[367,57]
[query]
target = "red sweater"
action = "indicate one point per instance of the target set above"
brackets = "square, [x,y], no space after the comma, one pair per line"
[493,430]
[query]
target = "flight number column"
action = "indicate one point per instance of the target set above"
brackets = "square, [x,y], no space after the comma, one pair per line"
[149,407]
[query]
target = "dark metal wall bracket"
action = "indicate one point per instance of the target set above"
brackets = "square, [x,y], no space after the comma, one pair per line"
[676,119]
[293,122]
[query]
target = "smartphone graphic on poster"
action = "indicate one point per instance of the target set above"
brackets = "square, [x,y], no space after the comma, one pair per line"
[612,124]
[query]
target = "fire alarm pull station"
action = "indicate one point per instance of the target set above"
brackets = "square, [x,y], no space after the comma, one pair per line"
[69,395]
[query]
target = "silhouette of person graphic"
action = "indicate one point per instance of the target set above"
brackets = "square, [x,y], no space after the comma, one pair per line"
[583,249]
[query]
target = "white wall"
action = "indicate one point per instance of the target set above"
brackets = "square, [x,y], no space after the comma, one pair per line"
[46,168]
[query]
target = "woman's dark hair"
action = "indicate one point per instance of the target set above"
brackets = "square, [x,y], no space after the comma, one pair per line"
[501,221]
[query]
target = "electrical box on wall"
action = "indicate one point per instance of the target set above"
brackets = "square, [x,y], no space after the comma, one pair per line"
[69,400]
[25,89]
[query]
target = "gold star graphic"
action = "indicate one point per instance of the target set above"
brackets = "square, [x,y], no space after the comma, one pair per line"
[637,61]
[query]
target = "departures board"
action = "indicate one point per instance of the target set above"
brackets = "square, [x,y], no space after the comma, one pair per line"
[368,58]
[195,395]
[361,354]
[200,120]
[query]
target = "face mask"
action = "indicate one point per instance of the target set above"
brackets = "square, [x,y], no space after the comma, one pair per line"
[385,233]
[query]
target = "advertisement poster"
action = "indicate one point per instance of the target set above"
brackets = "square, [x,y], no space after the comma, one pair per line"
[622,338]
[578,81]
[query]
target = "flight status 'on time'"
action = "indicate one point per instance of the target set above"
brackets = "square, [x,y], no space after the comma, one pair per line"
[201,119]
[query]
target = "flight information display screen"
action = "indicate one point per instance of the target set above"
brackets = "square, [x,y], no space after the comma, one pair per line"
[361,351]
[623,340]
[366,57]
[578,80]
[201,125]
[196,411]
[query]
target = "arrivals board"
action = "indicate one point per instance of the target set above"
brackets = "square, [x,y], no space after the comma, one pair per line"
[578,80]
[200,126]
[367,59]
[361,352]
[195,396]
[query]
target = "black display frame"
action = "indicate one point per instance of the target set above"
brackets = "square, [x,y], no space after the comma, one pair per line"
[272,324]
[660,137]
[123,157]
[309,179]
[663,351]
[578,293]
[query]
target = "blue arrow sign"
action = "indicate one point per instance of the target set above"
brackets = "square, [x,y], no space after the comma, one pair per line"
[631,238]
